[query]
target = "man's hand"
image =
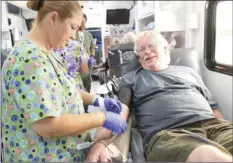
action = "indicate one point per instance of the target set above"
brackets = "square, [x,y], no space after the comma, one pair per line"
[217,113]
[98,152]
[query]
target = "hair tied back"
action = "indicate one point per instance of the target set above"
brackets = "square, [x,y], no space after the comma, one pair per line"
[39,4]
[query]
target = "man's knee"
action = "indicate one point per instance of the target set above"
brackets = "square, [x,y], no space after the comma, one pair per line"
[207,153]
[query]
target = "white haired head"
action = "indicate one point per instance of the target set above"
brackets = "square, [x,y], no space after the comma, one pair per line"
[158,39]
[129,37]
[158,46]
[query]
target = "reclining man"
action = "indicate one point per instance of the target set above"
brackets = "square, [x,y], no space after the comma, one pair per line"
[172,104]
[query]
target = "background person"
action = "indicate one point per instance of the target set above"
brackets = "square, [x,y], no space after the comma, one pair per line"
[86,39]
[75,59]
[128,37]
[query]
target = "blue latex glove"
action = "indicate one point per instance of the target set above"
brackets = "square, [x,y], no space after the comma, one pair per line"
[115,123]
[92,61]
[109,104]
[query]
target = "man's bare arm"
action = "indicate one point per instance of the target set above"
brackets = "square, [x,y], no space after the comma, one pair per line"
[125,96]
[103,133]
[217,113]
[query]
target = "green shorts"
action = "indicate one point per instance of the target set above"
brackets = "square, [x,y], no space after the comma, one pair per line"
[177,144]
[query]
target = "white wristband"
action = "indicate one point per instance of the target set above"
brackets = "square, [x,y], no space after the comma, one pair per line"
[101,103]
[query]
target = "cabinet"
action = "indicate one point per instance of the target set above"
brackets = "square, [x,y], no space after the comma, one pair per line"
[141,24]
[145,8]
[165,16]
[169,21]
[145,15]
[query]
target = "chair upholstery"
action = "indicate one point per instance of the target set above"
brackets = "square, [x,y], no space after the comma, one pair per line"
[115,57]
[129,62]
[181,57]
[136,146]
[186,57]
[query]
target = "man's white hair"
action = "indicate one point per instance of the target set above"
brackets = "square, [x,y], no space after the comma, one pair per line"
[128,38]
[156,36]
[157,39]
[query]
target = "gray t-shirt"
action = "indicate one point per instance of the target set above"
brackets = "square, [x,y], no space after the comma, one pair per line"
[170,98]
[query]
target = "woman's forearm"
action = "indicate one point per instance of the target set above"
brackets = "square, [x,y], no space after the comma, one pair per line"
[84,68]
[87,97]
[68,124]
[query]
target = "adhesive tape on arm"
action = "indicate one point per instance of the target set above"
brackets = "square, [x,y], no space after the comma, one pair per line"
[101,103]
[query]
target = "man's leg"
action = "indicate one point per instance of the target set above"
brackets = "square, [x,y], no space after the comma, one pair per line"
[172,145]
[221,132]
[208,153]
[177,145]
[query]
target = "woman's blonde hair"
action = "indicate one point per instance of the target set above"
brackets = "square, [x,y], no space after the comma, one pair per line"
[65,8]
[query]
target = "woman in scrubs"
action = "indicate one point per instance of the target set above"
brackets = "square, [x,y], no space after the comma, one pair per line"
[75,60]
[43,118]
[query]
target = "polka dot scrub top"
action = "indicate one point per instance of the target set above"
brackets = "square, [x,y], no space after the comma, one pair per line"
[35,86]
[71,57]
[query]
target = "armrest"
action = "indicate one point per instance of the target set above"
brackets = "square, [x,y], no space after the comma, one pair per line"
[122,142]
[136,146]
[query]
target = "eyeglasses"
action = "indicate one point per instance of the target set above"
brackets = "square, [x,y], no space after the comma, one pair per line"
[151,46]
